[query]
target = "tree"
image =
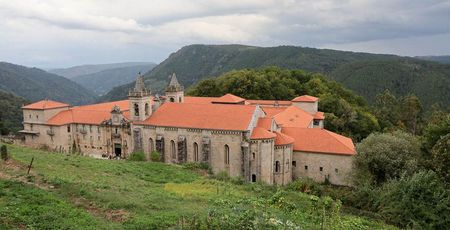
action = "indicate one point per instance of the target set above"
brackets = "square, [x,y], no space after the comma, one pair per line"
[386,110]
[4,153]
[440,158]
[410,111]
[420,201]
[385,156]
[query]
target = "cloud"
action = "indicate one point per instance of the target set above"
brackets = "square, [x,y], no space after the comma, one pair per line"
[63,33]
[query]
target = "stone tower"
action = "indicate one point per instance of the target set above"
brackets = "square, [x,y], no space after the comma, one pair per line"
[174,91]
[140,101]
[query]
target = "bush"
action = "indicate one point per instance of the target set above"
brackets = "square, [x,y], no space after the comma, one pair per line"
[196,165]
[420,201]
[137,156]
[155,156]
[4,153]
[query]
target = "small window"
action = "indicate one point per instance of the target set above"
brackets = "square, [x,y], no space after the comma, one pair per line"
[321,169]
[253,155]
[227,154]
[172,99]
[29,116]
[253,178]
[90,128]
[179,99]
[116,131]
[316,122]
[336,171]
[277,166]
[306,167]
[68,128]
[98,129]
[294,163]
[37,116]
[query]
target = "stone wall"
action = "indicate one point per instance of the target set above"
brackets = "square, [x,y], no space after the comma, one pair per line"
[334,166]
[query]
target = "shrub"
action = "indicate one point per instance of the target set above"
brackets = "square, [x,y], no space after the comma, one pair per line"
[4,153]
[155,156]
[420,201]
[196,165]
[137,156]
[223,176]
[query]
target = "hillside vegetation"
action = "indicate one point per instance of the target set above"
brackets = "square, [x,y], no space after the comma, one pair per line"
[345,112]
[80,70]
[103,81]
[35,84]
[73,192]
[10,112]
[196,62]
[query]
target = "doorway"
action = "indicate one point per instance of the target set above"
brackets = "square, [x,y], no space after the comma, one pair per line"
[253,178]
[118,150]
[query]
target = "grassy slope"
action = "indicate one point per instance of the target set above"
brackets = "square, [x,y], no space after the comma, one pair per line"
[80,191]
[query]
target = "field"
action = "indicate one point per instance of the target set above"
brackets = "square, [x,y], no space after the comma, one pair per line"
[77,192]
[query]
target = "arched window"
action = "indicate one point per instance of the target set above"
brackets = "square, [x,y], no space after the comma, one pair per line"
[227,154]
[146,109]
[195,151]
[151,145]
[277,166]
[253,155]
[136,110]
[172,99]
[173,150]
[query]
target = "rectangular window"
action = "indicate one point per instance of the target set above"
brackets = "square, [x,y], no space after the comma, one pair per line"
[321,169]
[316,122]
[294,163]
[306,167]
[68,128]
[336,171]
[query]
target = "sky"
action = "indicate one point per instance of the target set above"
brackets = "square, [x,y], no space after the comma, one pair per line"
[63,33]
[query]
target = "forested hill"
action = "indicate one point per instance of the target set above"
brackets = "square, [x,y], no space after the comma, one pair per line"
[195,62]
[103,81]
[35,84]
[10,112]
[80,70]
[445,59]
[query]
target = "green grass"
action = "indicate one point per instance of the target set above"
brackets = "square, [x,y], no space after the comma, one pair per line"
[76,192]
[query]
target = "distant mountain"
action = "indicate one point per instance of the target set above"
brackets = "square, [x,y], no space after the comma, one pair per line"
[35,84]
[441,59]
[80,70]
[195,62]
[103,81]
[10,112]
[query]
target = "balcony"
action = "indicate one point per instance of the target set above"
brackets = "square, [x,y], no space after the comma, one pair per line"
[50,132]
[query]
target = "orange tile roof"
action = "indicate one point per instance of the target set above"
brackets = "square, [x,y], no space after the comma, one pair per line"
[283,139]
[89,114]
[229,99]
[199,100]
[318,140]
[319,116]
[265,122]
[45,104]
[272,111]
[107,106]
[269,102]
[202,116]
[261,133]
[305,98]
[293,117]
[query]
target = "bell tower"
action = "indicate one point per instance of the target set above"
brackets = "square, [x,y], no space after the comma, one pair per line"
[174,91]
[140,100]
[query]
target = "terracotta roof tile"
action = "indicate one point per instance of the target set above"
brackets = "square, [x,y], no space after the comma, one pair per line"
[265,122]
[293,117]
[45,104]
[202,116]
[199,100]
[261,133]
[319,116]
[272,111]
[269,102]
[89,114]
[318,140]
[283,139]
[305,98]
[229,99]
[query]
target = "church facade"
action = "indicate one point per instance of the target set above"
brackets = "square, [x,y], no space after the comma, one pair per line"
[260,140]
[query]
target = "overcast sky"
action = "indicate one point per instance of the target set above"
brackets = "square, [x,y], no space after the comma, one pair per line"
[64,33]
